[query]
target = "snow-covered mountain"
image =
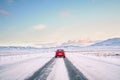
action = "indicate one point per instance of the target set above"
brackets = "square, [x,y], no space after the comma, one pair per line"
[72,43]
[47,47]
[108,42]
[67,44]
[16,47]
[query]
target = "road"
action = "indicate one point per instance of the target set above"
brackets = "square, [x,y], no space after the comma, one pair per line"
[73,67]
[43,73]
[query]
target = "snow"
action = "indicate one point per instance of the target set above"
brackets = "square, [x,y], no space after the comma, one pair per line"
[109,42]
[96,63]
[21,69]
[59,71]
[95,68]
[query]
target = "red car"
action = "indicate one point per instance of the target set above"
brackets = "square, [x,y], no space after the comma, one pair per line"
[60,53]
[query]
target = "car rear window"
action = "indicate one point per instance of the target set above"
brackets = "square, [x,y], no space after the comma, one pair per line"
[60,50]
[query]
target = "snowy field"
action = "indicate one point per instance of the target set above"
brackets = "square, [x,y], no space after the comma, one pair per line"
[94,63]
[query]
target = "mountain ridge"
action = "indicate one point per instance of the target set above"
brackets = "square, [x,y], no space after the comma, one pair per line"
[108,42]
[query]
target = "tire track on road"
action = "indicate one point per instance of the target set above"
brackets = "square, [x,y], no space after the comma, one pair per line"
[73,72]
[43,72]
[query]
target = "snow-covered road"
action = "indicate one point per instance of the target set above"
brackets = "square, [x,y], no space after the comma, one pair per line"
[74,67]
[20,70]
[96,68]
[58,69]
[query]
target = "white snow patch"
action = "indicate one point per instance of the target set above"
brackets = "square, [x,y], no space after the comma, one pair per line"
[59,71]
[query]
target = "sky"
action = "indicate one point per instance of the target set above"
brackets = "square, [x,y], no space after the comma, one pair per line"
[34,22]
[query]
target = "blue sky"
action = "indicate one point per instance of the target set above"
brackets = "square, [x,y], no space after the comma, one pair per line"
[55,21]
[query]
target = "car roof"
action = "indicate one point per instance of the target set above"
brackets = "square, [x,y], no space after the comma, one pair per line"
[60,50]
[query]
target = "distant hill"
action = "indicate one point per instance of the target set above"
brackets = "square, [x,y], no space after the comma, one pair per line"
[108,42]
[16,47]
[71,43]
[68,44]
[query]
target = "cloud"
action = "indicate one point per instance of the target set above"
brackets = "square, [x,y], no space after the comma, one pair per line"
[64,14]
[39,27]
[4,12]
[10,2]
